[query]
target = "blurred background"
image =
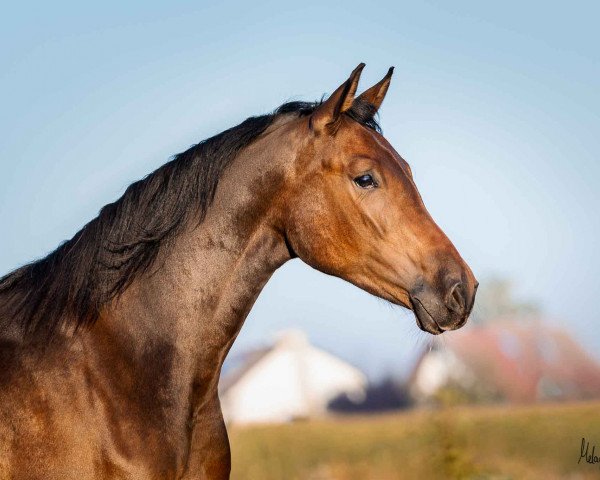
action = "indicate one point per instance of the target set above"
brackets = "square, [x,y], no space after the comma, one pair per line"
[495,106]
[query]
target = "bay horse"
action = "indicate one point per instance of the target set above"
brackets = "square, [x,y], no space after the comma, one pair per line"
[111,346]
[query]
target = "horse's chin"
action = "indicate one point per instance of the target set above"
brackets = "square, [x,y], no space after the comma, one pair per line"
[424,320]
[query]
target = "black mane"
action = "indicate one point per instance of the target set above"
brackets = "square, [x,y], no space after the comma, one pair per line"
[70,285]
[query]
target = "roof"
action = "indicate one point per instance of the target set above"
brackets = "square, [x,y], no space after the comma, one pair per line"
[245,363]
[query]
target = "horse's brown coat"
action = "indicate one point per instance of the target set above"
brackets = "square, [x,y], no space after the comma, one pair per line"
[135,395]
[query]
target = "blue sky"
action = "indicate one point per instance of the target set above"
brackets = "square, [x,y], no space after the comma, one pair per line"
[496,108]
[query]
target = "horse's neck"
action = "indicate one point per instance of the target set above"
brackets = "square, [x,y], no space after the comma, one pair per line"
[194,299]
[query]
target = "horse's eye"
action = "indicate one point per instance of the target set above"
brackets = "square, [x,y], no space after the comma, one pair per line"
[366,181]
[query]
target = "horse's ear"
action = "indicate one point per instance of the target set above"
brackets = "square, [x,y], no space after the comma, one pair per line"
[374,96]
[328,113]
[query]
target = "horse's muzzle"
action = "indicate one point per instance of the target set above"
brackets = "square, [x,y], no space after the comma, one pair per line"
[437,312]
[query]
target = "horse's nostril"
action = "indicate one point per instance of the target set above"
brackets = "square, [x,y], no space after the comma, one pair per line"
[457,301]
[457,294]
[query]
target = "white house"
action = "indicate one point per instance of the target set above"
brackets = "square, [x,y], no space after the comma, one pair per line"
[290,380]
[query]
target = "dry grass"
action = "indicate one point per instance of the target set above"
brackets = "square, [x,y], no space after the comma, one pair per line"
[538,442]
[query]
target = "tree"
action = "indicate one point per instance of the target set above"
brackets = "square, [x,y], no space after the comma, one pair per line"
[495,299]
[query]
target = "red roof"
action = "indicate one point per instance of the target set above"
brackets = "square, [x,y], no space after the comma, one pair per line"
[527,360]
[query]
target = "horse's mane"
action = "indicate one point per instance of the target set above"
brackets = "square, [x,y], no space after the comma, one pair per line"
[70,285]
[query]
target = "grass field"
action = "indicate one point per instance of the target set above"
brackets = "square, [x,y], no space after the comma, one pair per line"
[537,442]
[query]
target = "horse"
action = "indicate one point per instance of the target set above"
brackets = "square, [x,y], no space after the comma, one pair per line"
[111,346]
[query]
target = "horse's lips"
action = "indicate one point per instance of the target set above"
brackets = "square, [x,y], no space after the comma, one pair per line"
[424,320]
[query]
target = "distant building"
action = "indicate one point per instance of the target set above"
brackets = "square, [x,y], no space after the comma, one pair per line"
[290,380]
[519,362]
